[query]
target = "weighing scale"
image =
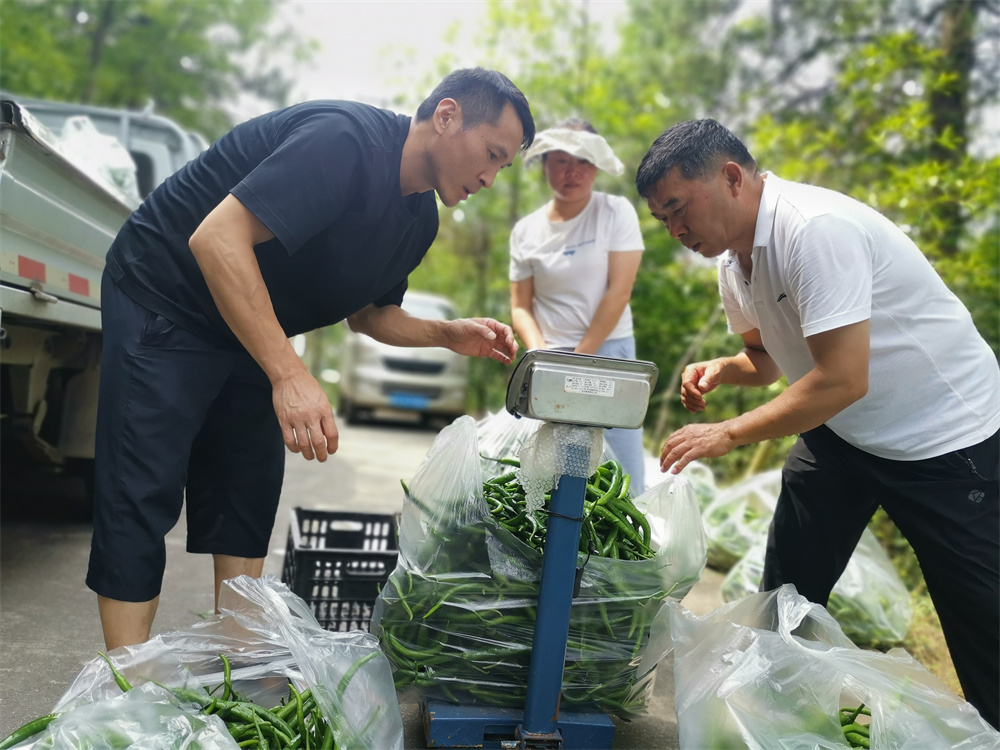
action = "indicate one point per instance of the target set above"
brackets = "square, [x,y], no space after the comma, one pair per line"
[592,393]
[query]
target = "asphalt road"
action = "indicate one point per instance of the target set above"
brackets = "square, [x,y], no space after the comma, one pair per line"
[49,626]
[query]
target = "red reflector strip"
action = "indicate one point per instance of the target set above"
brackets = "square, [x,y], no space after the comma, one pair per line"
[79,285]
[30,269]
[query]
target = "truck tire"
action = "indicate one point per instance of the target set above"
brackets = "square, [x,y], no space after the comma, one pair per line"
[350,412]
[83,468]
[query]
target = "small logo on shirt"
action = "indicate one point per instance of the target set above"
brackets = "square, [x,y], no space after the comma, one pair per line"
[977,496]
[781,296]
[569,252]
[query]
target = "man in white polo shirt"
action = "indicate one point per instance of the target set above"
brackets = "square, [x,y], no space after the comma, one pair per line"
[894,394]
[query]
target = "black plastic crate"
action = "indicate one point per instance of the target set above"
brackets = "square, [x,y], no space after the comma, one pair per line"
[338,561]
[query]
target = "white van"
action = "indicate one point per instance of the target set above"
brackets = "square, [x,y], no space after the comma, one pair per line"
[378,379]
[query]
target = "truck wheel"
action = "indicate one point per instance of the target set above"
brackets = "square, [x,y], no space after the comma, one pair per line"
[83,468]
[349,411]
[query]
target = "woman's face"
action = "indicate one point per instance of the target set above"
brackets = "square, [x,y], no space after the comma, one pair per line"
[571,178]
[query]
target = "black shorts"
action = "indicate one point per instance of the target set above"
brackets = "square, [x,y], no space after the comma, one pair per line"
[178,419]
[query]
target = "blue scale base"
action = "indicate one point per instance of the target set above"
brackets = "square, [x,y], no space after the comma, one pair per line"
[450,725]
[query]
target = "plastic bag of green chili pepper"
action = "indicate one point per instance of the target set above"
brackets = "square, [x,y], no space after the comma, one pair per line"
[773,671]
[738,516]
[502,434]
[869,602]
[149,716]
[456,617]
[271,639]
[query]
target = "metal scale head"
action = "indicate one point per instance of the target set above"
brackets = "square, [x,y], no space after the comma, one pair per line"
[582,389]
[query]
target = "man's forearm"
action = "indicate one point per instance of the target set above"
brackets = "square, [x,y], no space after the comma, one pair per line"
[236,284]
[750,368]
[804,405]
[393,325]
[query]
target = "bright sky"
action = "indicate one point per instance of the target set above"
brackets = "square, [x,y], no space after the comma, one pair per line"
[363,41]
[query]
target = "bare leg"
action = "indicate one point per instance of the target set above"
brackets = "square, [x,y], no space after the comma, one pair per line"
[227,566]
[126,623]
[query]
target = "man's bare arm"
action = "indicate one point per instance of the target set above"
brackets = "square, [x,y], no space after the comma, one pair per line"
[838,379]
[753,366]
[474,337]
[223,247]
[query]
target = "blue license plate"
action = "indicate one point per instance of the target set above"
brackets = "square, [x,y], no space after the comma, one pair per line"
[408,401]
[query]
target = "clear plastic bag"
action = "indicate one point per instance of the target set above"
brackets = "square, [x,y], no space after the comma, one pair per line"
[147,717]
[870,602]
[456,617]
[101,156]
[501,435]
[772,671]
[271,638]
[738,517]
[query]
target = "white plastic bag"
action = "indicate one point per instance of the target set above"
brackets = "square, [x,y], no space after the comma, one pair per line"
[869,601]
[101,156]
[501,435]
[771,672]
[147,717]
[271,638]
[739,516]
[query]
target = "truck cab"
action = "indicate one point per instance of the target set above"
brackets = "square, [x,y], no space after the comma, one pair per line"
[59,213]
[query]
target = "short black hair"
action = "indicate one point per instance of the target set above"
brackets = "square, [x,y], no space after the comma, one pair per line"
[694,147]
[482,94]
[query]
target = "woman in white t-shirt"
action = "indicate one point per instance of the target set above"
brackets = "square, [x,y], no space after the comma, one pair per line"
[573,263]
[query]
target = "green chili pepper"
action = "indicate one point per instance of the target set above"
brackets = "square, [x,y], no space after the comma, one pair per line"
[353,670]
[119,679]
[25,731]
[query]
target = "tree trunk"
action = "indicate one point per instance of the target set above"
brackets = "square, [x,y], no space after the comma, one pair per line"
[950,111]
[97,43]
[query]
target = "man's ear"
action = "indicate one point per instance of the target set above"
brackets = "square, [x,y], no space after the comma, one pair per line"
[733,174]
[447,114]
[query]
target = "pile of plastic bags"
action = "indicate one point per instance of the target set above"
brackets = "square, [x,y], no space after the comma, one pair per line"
[772,671]
[869,601]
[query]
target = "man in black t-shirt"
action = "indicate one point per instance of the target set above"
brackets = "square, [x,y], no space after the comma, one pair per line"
[292,221]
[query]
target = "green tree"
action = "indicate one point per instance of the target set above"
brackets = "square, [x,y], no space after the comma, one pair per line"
[188,56]
[843,94]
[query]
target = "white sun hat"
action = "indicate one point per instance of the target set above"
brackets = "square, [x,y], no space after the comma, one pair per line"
[580,143]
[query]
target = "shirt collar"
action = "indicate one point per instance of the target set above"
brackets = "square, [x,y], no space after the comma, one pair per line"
[765,213]
[765,217]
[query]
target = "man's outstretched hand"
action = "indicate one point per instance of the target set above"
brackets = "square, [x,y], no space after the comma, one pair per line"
[695,441]
[481,337]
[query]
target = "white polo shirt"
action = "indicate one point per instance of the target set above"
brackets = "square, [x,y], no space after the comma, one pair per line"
[568,264]
[822,260]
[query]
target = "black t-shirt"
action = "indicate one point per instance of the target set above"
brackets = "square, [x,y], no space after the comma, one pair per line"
[323,177]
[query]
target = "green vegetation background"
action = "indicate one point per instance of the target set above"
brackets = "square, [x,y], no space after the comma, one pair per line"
[891,101]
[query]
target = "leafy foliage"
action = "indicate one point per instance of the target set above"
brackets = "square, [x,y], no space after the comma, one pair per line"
[839,94]
[843,94]
[190,57]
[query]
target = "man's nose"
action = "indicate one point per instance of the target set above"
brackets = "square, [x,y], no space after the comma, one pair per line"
[676,229]
[488,177]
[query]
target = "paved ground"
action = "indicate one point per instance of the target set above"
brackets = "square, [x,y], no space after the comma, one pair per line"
[49,626]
